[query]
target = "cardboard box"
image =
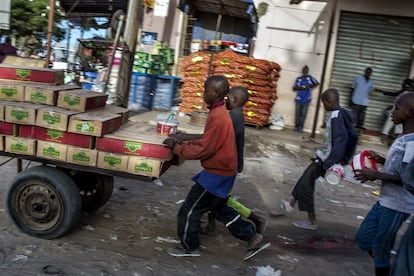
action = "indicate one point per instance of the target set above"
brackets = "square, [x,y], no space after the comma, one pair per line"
[54,117]
[95,123]
[135,139]
[45,94]
[2,107]
[11,92]
[24,73]
[81,100]
[7,128]
[20,145]
[31,62]
[124,112]
[144,166]
[57,136]
[21,113]
[112,161]
[81,156]
[51,150]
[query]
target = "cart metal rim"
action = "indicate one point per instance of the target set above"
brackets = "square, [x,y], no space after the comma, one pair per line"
[38,205]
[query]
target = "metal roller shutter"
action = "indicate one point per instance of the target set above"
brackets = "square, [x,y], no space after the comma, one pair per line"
[381,42]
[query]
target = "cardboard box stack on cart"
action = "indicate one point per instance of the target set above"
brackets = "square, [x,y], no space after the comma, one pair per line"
[39,116]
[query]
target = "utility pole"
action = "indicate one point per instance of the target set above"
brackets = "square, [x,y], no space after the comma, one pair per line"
[325,63]
[134,21]
[49,31]
[70,25]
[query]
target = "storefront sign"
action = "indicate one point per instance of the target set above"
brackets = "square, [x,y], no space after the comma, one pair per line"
[148,38]
[161,8]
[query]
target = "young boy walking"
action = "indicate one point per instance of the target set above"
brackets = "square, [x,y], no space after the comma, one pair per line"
[376,234]
[339,145]
[236,98]
[216,150]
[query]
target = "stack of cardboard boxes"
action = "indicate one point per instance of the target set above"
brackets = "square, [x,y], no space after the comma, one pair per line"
[68,124]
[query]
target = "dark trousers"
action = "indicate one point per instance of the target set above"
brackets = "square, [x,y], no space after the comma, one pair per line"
[300,114]
[305,187]
[359,114]
[200,201]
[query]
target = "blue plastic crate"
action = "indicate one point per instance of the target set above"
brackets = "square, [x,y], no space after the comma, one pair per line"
[165,88]
[149,91]
[140,96]
[87,85]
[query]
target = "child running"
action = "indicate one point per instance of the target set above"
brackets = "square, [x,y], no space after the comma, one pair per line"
[376,234]
[216,150]
[339,145]
[235,101]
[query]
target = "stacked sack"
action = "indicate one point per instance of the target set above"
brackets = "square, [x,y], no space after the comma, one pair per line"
[195,71]
[257,75]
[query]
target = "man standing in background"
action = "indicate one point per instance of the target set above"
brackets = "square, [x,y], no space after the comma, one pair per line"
[303,87]
[361,88]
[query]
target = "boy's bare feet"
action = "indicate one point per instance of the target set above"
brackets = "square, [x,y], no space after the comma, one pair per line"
[259,221]
[286,208]
[254,241]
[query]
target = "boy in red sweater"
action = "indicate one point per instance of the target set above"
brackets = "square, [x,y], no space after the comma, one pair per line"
[216,150]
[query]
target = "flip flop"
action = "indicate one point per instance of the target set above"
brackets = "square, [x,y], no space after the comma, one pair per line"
[254,251]
[305,225]
[275,213]
[52,270]
[284,209]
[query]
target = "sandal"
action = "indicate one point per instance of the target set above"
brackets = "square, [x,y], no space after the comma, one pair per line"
[286,208]
[304,224]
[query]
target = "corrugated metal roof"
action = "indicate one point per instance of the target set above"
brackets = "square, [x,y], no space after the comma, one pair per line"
[92,7]
[235,8]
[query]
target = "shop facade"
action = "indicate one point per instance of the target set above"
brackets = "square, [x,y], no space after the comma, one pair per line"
[337,39]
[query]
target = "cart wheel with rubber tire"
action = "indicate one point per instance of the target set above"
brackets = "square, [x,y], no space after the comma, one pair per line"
[44,202]
[94,189]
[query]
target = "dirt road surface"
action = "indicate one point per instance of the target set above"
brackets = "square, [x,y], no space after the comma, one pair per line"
[131,233]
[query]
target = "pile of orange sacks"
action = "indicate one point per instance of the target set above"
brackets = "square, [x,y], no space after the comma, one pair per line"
[257,75]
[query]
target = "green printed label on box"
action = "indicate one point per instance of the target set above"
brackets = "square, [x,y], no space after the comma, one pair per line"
[132,146]
[81,157]
[19,146]
[112,160]
[143,167]
[23,73]
[20,114]
[54,134]
[9,91]
[85,127]
[71,100]
[51,151]
[51,119]
[38,97]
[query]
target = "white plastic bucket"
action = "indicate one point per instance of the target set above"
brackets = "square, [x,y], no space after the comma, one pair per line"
[167,124]
[335,174]
[363,160]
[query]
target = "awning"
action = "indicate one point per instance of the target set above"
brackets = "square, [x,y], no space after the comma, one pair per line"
[100,44]
[92,8]
[235,8]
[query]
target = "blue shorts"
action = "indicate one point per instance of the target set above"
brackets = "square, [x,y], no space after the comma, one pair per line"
[378,231]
